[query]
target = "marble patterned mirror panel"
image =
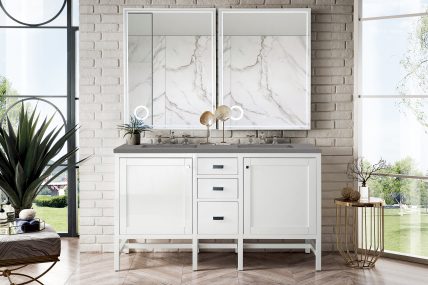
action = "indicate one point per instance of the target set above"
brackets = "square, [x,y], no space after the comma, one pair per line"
[171,67]
[266,72]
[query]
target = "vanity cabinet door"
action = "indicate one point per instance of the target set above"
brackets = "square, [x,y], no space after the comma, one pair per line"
[155,196]
[280,196]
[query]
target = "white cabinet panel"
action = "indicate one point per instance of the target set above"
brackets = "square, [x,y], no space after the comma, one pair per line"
[280,196]
[217,166]
[217,218]
[155,196]
[217,188]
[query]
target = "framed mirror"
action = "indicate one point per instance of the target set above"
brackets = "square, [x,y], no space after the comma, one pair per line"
[170,57]
[265,69]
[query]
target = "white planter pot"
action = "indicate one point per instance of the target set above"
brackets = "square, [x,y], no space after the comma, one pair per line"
[364,192]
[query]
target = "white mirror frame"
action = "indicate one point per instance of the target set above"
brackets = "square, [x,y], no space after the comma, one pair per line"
[307,12]
[126,12]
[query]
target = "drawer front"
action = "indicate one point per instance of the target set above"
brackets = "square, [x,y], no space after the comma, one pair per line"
[212,165]
[217,218]
[217,188]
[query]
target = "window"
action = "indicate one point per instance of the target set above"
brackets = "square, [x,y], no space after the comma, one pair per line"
[38,65]
[392,102]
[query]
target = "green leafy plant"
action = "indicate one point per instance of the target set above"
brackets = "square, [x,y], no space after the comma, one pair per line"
[134,127]
[51,201]
[27,155]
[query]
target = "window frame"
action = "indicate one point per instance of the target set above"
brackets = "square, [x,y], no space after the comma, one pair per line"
[71,98]
[358,98]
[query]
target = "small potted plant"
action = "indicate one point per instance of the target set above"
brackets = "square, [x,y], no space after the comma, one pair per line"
[361,170]
[133,130]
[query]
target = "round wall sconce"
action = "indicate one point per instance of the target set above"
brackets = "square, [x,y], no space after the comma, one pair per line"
[141,108]
[241,113]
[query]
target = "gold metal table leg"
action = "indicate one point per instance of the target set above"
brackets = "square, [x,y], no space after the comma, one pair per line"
[360,234]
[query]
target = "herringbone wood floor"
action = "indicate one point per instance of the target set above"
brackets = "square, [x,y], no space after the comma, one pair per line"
[219,268]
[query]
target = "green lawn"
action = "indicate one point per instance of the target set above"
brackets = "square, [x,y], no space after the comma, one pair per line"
[407,233]
[56,217]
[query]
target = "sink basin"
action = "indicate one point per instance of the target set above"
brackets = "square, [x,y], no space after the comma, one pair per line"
[169,145]
[265,145]
[216,145]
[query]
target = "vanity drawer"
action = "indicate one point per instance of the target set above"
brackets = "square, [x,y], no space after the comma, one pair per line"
[222,165]
[217,218]
[217,188]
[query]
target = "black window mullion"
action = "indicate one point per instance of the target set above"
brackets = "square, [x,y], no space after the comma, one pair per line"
[71,122]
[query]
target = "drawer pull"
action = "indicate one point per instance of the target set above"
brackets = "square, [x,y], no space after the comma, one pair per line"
[218,188]
[218,218]
[218,166]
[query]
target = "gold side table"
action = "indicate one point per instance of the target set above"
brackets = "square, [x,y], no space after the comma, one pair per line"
[360,231]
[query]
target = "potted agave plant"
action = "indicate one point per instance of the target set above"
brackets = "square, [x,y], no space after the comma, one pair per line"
[28,157]
[133,130]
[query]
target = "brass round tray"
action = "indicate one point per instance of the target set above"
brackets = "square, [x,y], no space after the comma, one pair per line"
[371,202]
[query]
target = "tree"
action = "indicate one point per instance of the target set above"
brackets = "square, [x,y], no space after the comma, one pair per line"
[415,64]
[397,190]
[6,89]
[424,193]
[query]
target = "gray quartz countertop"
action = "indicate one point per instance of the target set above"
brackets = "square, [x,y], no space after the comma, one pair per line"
[233,148]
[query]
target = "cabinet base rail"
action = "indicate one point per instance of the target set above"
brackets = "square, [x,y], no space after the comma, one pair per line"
[239,246]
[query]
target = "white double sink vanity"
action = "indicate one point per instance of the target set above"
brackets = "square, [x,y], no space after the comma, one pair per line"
[188,195]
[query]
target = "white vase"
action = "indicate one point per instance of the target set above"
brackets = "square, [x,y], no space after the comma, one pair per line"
[364,193]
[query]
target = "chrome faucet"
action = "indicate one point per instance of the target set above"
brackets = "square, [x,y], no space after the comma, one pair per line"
[250,139]
[275,140]
[186,139]
[172,138]
[262,138]
[159,139]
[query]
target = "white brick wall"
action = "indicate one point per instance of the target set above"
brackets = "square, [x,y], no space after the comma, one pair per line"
[101,102]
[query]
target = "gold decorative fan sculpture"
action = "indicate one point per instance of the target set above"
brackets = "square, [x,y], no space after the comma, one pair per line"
[223,114]
[207,119]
